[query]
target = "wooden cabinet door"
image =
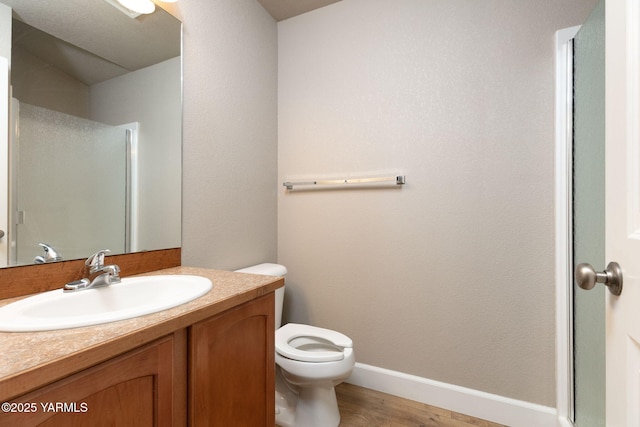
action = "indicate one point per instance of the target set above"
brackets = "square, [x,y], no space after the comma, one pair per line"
[145,387]
[232,375]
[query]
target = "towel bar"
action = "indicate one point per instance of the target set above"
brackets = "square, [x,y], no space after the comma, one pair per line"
[399,180]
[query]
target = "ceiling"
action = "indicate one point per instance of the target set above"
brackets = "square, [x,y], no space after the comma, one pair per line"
[92,51]
[283,9]
[85,27]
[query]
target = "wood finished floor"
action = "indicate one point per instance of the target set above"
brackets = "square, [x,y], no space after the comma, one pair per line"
[362,407]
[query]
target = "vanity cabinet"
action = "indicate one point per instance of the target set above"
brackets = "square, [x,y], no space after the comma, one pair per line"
[215,372]
[232,375]
[143,387]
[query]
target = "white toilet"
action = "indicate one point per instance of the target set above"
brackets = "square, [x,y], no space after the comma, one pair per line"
[310,361]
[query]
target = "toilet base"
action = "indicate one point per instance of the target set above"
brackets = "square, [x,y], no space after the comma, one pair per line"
[315,406]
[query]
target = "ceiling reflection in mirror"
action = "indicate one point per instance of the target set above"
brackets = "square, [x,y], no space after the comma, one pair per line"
[96,119]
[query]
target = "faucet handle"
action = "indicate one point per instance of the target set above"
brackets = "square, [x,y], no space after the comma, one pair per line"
[96,261]
[50,254]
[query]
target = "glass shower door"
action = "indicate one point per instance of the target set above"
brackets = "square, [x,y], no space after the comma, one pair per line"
[71,176]
[589,218]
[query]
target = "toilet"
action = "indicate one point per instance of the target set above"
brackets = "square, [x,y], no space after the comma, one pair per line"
[310,362]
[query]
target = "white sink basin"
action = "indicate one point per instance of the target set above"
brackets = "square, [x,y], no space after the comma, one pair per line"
[133,297]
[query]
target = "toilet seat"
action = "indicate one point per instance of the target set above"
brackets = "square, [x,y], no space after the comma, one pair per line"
[289,332]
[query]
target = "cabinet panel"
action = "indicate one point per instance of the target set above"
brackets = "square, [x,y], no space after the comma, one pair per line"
[126,403]
[232,367]
[144,387]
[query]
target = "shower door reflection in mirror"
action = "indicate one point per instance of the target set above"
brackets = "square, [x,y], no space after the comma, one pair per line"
[87,59]
[71,183]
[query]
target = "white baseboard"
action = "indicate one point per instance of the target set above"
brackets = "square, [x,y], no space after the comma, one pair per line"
[479,404]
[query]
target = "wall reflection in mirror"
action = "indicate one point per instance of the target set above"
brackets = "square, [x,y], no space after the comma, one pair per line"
[95,131]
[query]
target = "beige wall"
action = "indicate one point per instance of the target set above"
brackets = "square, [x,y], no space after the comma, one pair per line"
[451,277]
[229,134]
[128,99]
[37,82]
[5,34]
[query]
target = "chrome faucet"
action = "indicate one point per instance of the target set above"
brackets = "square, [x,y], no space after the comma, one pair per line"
[106,274]
[50,254]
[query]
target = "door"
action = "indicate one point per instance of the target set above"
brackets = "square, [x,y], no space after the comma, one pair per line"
[232,367]
[623,211]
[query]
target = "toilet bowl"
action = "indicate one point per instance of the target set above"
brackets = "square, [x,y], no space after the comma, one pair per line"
[310,361]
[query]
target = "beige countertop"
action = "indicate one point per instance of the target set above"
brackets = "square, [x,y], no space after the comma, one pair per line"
[33,359]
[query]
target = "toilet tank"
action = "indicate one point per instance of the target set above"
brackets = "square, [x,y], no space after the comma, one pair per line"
[269,269]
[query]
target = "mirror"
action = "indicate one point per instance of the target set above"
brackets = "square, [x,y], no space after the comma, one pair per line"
[96,159]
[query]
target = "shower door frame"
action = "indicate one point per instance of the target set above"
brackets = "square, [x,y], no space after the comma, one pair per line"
[564,213]
[563,226]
